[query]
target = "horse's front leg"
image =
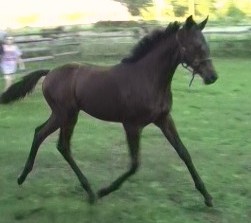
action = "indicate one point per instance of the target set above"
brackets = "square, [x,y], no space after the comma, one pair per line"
[133,138]
[167,126]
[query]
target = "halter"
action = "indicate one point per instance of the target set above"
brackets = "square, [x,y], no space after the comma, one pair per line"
[195,62]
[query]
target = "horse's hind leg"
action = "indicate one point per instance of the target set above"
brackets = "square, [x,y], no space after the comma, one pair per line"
[65,135]
[133,139]
[41,132]
[167,126]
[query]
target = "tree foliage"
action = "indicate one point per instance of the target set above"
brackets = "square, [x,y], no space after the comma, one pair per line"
[166,9]
[180,7]
[134,6]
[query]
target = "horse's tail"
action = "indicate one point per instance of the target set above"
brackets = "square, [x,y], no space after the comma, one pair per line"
[23,87]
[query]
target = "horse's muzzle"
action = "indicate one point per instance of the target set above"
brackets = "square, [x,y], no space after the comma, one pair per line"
[210,79]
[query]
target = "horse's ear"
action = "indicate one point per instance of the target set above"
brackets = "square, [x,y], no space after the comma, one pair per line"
[203,24]
[189,22]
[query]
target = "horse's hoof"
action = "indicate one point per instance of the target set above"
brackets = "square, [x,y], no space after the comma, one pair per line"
[20,180]
[102,192]
[209,202]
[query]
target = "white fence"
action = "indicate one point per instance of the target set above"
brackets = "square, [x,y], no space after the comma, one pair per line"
[35,47]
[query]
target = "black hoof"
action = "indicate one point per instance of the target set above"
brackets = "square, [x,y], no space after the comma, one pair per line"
[209,202]
[102,192]
[20,180]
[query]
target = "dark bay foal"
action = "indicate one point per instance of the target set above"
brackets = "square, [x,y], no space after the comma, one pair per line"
[135,92]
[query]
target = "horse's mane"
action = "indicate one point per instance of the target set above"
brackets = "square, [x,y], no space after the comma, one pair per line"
[149,41]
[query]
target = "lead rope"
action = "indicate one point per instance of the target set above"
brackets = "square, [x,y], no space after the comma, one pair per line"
[190,70]
[183,64]
[191,81]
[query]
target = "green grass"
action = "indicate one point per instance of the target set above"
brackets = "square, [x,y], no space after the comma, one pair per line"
[213,122]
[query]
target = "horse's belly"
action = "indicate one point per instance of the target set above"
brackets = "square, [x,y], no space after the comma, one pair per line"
[103,109]
[103,114]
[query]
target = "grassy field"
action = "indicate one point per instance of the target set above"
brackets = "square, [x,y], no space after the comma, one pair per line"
[213,121]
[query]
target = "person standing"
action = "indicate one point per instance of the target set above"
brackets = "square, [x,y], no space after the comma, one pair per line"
[10,60]
[2,37]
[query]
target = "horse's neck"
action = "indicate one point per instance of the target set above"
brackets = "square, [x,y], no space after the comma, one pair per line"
[161,63]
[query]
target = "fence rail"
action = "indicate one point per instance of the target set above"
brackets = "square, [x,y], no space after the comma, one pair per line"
[35,47]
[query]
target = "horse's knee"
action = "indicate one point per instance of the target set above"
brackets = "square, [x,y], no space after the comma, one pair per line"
[38,134]
[64,150]
[60,145]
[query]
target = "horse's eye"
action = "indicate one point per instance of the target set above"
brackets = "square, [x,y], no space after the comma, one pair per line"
[196,62]
[199,48]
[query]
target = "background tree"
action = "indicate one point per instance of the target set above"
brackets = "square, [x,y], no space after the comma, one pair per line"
[171,9]
[180,7]
[204,7]
[134,6]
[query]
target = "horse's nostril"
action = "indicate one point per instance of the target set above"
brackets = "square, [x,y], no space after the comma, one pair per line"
[214,78]
[211,79]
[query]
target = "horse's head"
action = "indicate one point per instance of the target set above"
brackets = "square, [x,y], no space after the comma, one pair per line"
[195,51]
